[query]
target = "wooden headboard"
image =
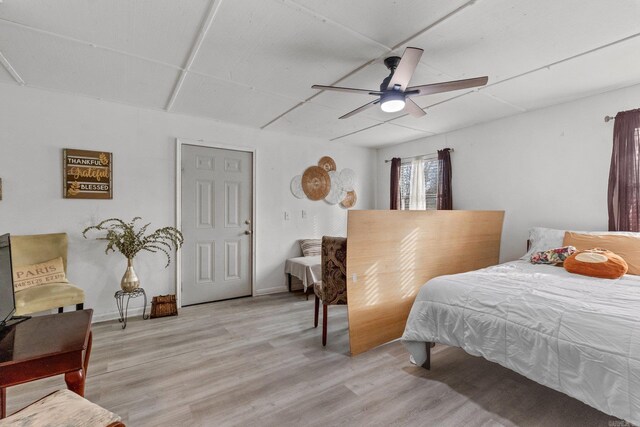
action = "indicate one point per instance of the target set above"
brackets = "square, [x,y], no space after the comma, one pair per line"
[392,254]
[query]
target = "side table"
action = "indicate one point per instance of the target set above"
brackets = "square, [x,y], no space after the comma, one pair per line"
[123,307]
[44,346]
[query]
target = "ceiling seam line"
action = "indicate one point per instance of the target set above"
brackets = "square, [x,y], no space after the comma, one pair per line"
[357,131]
[93,45]
[378,121]
[244,85]
[143,58]
[408,127]
[319,92]
[324,18]
[126,104]
[195,49]
[413,36]
[503,101]
[569,58]
[283,114]
[14,73]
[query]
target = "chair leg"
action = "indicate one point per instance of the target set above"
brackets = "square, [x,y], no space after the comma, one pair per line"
[324,325]
[60,309]
[315,319]
[427,363]
[80,306]
[289,280]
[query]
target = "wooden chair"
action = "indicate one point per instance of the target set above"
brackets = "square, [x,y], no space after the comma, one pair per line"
[63,408]
[34,249]
[332,290]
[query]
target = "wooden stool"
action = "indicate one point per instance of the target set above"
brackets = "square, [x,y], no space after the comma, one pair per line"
[63,408]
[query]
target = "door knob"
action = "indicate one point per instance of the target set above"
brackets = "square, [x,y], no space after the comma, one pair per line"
[248,222]
[247,231]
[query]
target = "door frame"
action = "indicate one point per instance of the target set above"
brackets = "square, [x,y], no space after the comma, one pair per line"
[180,142]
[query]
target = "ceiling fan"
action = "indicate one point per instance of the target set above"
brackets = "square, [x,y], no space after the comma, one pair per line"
[395,93]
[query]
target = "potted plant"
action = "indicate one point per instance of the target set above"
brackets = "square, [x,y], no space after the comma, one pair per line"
[123,237]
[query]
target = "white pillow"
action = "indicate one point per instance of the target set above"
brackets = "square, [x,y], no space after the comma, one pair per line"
[543,239]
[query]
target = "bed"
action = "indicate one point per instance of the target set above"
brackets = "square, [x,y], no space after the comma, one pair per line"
[575,334]
[305,268]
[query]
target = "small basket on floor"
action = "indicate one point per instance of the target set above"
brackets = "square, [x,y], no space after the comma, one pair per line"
[164,305]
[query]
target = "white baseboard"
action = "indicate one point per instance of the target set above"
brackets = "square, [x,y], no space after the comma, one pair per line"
[274,290]
[113,315]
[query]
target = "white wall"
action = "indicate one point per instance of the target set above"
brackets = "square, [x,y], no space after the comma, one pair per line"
[36,125]
[548,167]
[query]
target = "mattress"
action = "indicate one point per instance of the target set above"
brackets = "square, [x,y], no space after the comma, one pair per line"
[576,334]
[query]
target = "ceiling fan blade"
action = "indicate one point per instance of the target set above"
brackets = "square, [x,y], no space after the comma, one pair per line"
[360,109]
[403,73]
[447,86]
[347,89]
[413,108]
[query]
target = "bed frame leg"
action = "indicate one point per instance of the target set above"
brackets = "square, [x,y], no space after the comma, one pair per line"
[289,277]
[427,364]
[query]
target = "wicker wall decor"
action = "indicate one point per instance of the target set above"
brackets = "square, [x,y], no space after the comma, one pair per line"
[337,192]
[348,178]
[349,200]
[327,163]
[326,182]
[296,187]
[316,183]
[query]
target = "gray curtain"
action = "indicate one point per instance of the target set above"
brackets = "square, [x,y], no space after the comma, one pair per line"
[445,196]
[624,175]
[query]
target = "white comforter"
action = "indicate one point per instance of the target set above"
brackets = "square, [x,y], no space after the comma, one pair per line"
[576,334]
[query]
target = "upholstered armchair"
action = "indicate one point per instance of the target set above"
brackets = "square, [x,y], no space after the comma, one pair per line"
[35,249]
[332,289]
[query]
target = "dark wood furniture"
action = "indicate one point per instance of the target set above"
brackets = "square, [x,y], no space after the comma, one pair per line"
[45,346]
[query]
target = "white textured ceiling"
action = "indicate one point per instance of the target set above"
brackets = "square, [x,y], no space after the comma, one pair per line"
[252,62]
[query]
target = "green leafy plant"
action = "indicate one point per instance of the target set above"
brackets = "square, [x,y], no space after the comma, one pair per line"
[124,238]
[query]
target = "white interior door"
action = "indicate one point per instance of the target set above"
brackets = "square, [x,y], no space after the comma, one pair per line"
[216,223]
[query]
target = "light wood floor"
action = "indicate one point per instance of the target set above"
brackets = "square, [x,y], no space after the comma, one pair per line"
[260,362]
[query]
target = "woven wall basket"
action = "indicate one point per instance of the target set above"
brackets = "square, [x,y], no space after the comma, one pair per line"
[327,163]
[350,200]
[316,183]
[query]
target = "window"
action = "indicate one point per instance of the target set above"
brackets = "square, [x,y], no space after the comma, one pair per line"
[430,167]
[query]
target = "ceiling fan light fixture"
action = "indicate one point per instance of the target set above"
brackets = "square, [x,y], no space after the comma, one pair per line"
[392,102]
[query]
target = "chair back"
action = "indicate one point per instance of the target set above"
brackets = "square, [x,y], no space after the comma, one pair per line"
[334,270]
[37,248]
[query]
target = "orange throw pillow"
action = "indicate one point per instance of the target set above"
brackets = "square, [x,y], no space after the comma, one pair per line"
[627,247]
[596,263]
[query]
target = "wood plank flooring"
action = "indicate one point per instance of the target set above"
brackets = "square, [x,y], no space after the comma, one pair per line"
[259,362]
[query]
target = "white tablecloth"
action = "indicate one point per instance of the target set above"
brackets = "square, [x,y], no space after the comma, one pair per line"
[305,268]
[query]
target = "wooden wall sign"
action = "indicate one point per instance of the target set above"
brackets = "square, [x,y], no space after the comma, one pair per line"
[87,174]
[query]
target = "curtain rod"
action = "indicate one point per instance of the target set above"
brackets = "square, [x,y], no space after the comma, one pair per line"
[418,157]
[607,119]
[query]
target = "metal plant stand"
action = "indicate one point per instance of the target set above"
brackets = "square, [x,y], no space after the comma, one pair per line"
[123,307]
